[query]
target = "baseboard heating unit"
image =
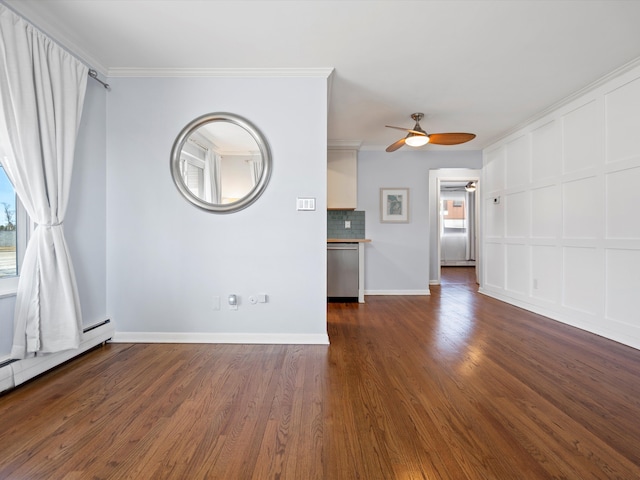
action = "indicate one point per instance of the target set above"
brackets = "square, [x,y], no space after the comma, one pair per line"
[16,372]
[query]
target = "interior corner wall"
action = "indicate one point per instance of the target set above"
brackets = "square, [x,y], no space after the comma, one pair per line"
[397,259]
[168,260]
[560,198]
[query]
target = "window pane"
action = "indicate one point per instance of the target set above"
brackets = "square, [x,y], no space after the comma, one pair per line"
[8,258]
[454,219]
[195,179]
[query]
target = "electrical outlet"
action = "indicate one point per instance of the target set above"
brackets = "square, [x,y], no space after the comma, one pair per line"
[233,301]
[347,224]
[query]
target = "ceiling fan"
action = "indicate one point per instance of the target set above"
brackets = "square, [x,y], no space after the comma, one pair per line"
[418,137]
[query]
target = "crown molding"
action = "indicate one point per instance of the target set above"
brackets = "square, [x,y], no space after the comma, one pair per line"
[323,72]
[490,143]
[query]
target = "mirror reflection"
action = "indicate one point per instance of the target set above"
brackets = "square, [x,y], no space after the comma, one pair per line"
[220,162]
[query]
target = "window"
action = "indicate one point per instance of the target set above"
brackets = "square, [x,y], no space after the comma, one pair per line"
[454,216]
[193,174]
[8,228]
[14,232]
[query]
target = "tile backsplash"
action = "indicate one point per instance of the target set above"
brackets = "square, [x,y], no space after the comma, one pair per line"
[336,224]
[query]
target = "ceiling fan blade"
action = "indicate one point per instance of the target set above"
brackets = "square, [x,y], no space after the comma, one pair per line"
[417,132]
[395,146]
[397,128]
[450,138]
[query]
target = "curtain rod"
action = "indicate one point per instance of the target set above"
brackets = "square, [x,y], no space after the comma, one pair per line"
[93,74]
[198,144]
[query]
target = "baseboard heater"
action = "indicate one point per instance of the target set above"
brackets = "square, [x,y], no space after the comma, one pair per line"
[16,372]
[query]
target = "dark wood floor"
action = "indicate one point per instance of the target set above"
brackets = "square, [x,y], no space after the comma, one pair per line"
[451,386]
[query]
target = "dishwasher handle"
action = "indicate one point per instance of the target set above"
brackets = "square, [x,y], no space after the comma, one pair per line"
[342,246]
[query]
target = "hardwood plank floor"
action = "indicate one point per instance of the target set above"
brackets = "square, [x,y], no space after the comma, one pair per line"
[452,386]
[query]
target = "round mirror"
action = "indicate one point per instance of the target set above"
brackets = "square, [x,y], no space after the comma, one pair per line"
[220,162]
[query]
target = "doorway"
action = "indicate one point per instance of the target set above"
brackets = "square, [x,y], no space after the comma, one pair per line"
[462,246]
[457,230]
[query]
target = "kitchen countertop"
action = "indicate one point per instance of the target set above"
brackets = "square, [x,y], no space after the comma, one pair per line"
[348,240]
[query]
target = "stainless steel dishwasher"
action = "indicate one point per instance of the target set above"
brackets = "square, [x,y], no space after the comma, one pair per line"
[342,271]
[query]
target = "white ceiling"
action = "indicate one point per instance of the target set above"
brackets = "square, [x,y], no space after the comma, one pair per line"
[470,65]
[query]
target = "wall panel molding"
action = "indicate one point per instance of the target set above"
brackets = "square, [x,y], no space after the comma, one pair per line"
[577,261]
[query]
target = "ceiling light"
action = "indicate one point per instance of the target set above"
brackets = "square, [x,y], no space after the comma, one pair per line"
[470,187]
[414,140]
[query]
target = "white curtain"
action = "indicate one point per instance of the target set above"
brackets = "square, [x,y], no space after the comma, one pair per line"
[212,186]
[256,169]
[470,215]
[42,90]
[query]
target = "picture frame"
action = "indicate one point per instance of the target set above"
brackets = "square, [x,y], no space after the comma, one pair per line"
[394,205]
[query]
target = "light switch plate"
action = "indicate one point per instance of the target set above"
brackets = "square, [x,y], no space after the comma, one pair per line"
[305,204]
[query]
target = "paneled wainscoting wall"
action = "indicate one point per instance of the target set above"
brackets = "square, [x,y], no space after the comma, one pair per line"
[560,212]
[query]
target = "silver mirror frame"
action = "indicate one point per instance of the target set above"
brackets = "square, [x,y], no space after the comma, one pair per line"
[263,146]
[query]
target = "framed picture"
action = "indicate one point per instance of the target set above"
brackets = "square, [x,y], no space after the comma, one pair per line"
[394,205]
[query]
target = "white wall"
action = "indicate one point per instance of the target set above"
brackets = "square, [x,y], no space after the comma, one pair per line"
[397,259]
[564,240]
[85,221]
[167,259]
[238,176]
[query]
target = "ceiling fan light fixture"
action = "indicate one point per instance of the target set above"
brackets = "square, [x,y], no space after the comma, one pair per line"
[414,140]
[470,187]
[417,137]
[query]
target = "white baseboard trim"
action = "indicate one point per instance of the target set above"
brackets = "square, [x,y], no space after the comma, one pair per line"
[244,338]
[28,368]
[398,292]
[6,378]
[617,331]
